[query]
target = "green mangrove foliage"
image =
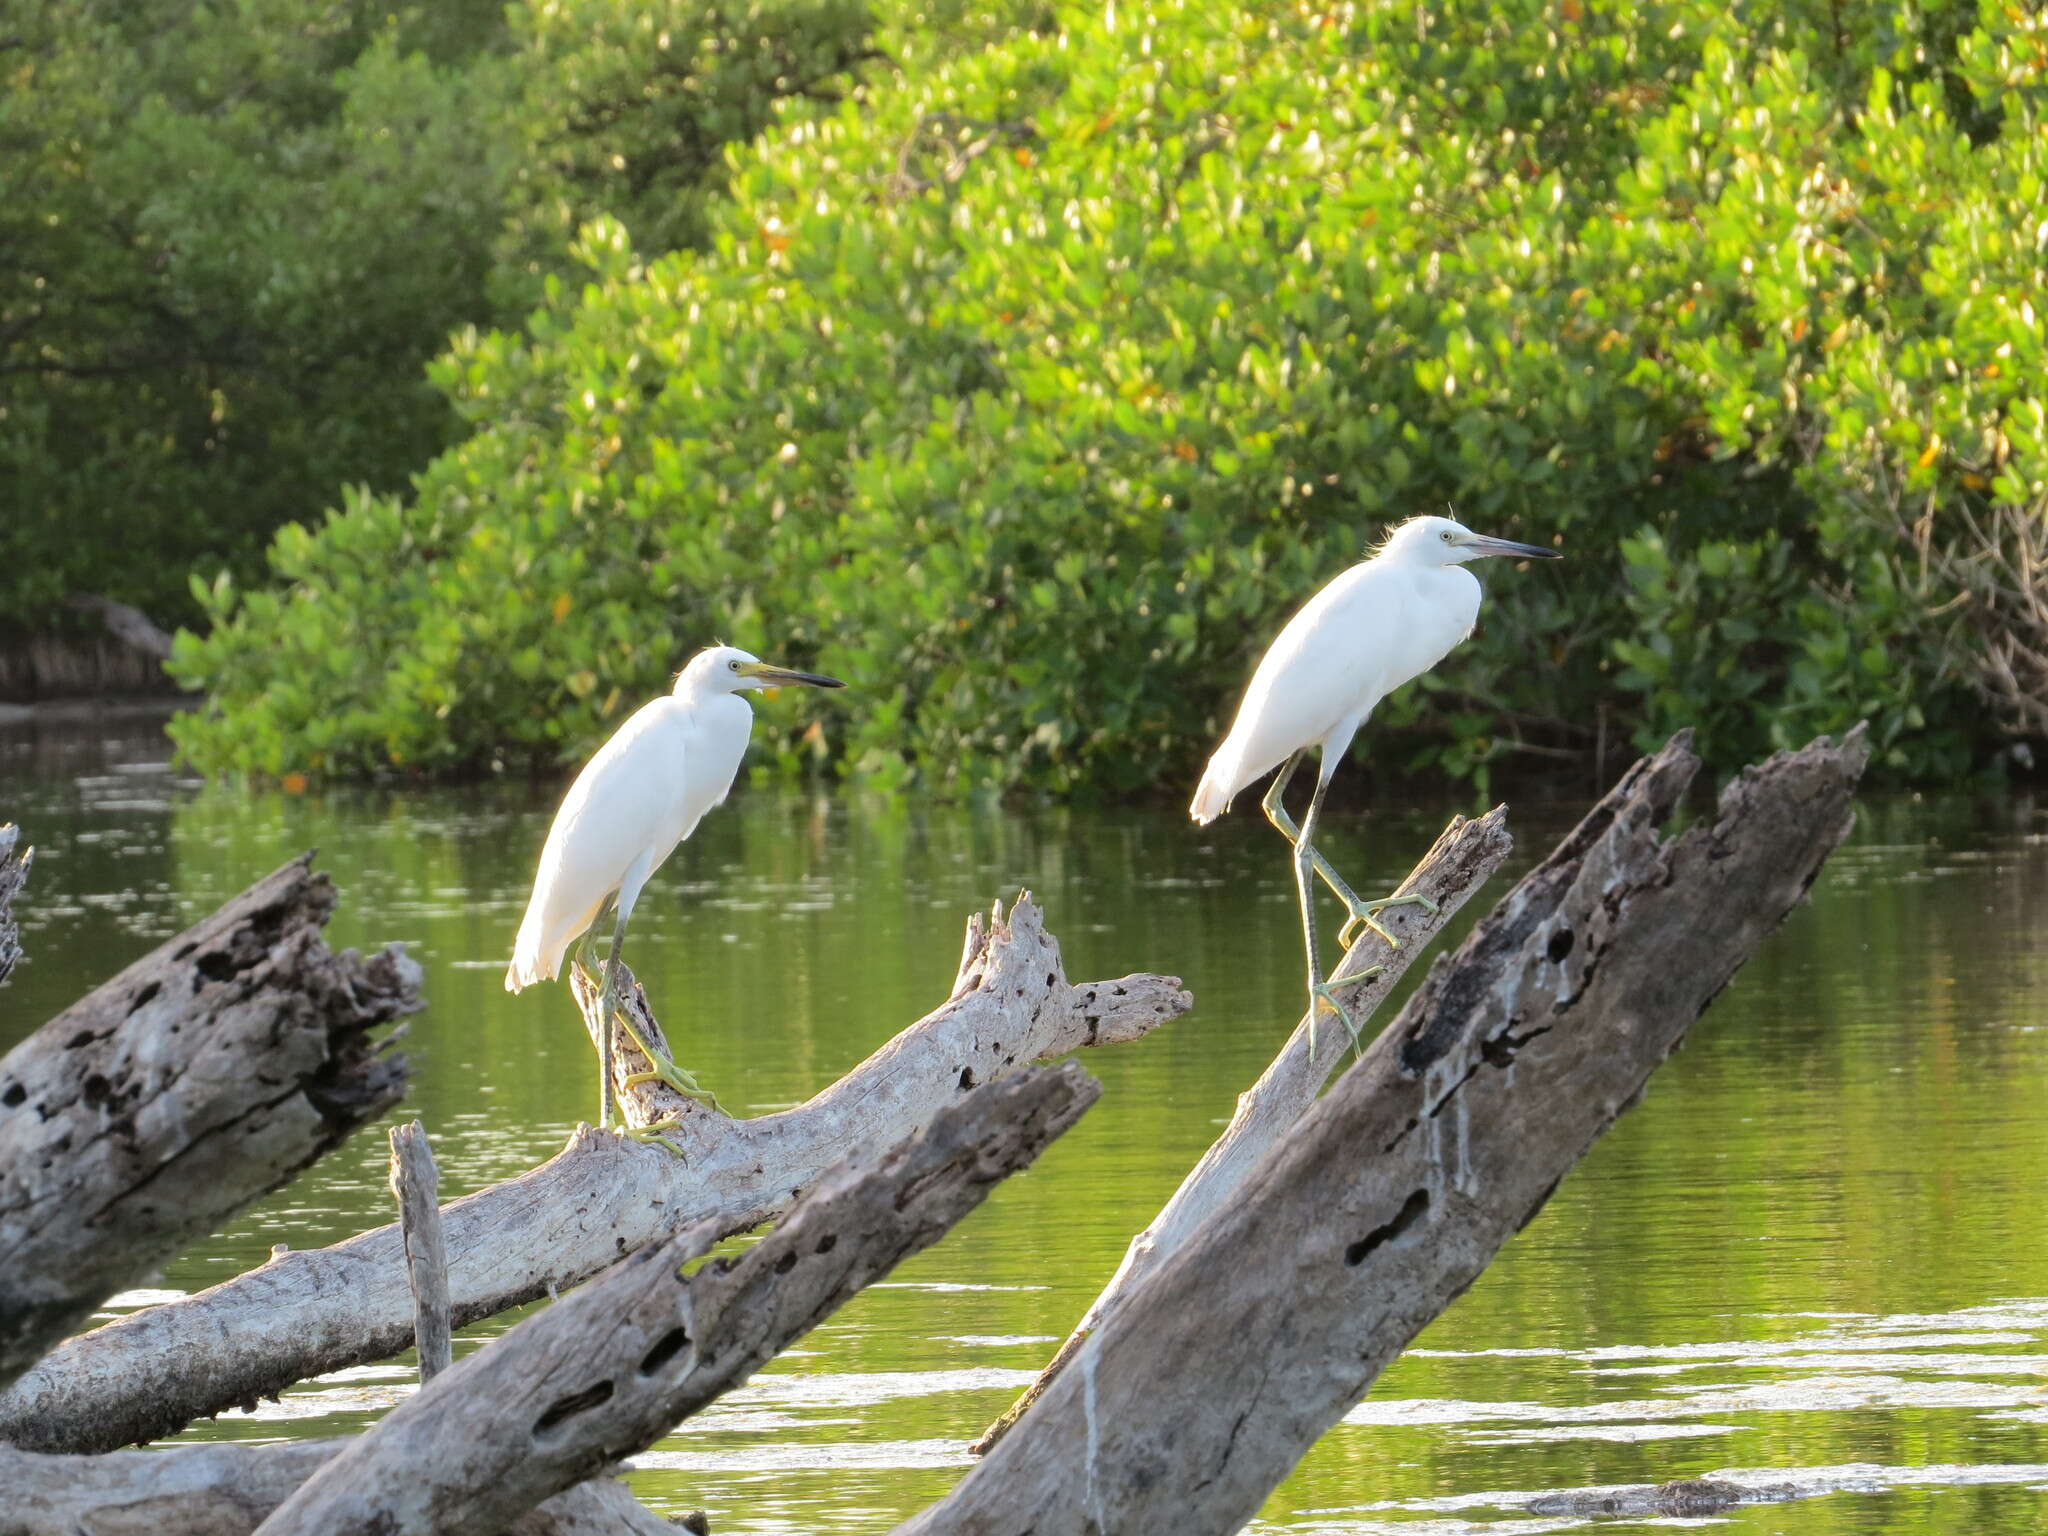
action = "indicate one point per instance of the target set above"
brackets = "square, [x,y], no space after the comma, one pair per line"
[229,238]
[233,234]
[1030,391]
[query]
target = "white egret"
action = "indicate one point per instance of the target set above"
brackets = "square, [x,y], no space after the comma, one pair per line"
[1379,624]
[642,793]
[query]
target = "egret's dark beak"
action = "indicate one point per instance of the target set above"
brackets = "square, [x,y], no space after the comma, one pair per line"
[1481,545]
[781,677]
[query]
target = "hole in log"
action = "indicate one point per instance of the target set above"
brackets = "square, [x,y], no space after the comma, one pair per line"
[666,1348]
[1410,1213]
[216,966]
[83,1037]
[785,1264]
[142,998]
[575,1403]
[966,1078]
[1500,1050]
[14,1095]
[828,1242]
[95,1090]
[1560,945]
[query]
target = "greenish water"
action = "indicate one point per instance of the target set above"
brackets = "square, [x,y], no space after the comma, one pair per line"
[1814,1252]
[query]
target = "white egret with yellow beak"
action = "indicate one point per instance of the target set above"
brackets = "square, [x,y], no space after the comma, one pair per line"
[642,793]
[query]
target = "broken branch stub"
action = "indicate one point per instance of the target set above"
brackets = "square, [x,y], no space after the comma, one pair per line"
[610,1369]
[1449,874]
[416,1185]
[202,1077]
[313,1311]
[1185,1409]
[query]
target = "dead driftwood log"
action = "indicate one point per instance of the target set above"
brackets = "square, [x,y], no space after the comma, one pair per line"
[14,869]
[203,1076]
[313,1311]
[197,1111]
[600,1374]
[128,624]
[227,1489]
[1464,857]
[1191,1402]
[610,1369]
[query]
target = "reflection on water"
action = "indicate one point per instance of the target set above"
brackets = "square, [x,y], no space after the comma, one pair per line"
[1810,1261]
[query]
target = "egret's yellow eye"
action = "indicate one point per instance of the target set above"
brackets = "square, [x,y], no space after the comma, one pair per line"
[734,664]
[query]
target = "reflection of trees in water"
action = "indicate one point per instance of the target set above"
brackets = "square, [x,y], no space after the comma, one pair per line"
[90,790]
[64,739]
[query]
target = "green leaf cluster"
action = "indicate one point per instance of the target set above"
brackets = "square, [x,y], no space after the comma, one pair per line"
[1031,389]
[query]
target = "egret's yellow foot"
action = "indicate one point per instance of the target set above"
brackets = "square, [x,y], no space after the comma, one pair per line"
[1319,998]
[1365,914]
[664,1070]
[654,1133]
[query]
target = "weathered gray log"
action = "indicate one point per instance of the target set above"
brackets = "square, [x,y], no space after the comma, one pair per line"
[126,623]
[227,1489]
[416,1185]
[1463,858]
[203,1076]
[898,1081]
[1185,1409]
[13,875]
[313,1311]
[610,1369]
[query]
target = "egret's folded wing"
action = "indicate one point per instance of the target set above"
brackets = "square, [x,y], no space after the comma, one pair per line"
[617,807]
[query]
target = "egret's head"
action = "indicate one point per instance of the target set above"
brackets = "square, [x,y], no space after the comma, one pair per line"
[728,669]
[1445,541]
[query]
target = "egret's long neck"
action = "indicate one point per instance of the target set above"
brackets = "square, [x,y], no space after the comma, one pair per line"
[696,689]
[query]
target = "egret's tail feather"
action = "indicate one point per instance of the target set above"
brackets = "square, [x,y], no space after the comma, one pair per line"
[529,965]
[1218,788]
[537,954]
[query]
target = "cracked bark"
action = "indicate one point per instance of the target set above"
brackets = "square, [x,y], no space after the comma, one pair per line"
[1449,874]
[1184,1410]
[312,1311]
[609,1370]
[202,1077]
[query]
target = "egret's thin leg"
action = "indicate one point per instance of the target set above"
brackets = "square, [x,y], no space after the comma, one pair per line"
[607,1001]
[1319,991]
[579,963]
[1362,912]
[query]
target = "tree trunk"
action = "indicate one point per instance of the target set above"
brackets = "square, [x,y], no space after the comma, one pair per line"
[1464,856]
[202,1077]
[1188,1406]
[309,1312]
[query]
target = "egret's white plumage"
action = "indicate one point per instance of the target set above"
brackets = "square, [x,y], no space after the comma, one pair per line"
[1382,623]
[643,792]
[1378,625]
